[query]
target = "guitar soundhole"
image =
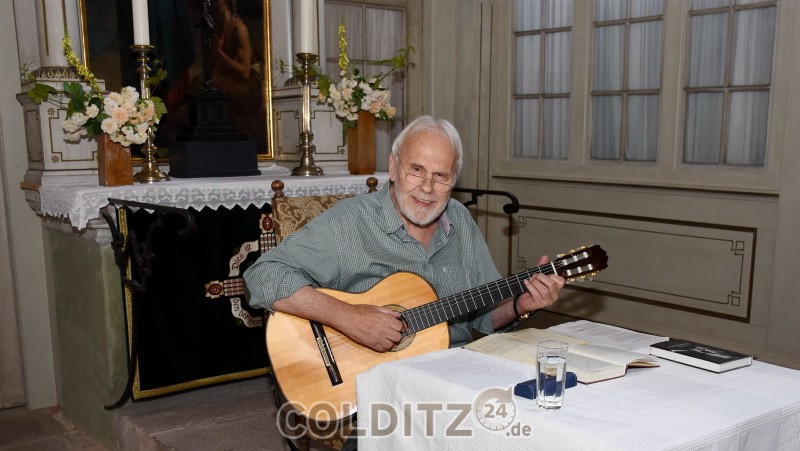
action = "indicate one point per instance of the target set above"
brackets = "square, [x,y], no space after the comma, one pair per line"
[407,339]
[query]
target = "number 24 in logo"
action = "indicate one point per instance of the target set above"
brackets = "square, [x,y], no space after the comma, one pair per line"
[495,408]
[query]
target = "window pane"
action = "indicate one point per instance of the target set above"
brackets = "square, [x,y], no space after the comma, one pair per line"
[644,56]
[645,8]
[396,85]
[707,61]
[703,127]
[353,22]
[705,4]
[528,70]
[529,14]
[606,127]
[609,10]
[385,33]
[556,128]
[642,136]
[557,63]
[608,51]
[559,13]
[747,131]
[752,47]
[526,128]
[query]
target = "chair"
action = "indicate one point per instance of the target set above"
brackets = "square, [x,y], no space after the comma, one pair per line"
[290,214]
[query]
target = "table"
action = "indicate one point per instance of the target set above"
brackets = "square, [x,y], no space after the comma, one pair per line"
[429,402]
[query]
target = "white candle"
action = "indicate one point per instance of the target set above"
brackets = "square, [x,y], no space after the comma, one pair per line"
[141,25]
[308,26]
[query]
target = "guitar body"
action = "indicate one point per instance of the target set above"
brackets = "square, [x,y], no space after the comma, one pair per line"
[300,368]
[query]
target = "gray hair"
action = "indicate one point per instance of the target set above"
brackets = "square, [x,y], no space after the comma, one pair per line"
[424,124]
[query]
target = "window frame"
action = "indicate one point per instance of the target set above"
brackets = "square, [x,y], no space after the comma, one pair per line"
[668,170]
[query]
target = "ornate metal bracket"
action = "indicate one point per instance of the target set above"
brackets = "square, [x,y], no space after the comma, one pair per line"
[128,248]
[509,208]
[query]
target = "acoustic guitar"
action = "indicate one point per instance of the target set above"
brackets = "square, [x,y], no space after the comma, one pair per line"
[316,366]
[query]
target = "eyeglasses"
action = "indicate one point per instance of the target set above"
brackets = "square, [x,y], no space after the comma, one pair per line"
[418,175]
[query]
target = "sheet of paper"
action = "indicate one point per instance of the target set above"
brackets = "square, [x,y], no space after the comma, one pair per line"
[475,370]
[604,334]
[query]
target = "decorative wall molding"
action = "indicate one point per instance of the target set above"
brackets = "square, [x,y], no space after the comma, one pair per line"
[702,267]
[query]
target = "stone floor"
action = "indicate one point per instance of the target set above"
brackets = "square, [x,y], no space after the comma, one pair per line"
[238,416]
[43,429]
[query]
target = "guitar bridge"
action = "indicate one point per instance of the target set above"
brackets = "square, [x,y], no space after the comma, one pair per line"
[326,353]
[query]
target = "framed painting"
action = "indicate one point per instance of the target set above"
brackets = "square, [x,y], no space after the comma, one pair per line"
[201,44]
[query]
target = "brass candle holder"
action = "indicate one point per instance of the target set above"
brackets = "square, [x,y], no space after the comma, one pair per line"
[150,172]
[306,77]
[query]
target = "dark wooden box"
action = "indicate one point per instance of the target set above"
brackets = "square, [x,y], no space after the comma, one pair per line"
[189,159]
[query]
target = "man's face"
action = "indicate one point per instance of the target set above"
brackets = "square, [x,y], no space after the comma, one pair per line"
[421,197]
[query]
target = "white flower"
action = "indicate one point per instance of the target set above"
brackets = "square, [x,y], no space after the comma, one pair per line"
[92,111]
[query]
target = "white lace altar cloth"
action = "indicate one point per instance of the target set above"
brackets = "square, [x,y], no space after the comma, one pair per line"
[81,203]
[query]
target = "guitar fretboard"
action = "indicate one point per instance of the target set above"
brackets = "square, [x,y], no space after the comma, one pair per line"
[433,313]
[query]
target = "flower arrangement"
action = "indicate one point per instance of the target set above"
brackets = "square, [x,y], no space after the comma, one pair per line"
[124,115]
[354,92]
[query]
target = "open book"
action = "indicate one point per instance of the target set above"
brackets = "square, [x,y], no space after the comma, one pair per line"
[590,362]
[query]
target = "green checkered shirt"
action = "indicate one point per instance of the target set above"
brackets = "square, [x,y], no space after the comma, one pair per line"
[359,241]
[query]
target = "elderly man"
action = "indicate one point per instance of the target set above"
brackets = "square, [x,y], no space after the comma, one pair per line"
[411,225]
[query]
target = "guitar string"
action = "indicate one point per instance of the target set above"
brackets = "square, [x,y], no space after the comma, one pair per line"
[422,316]
[343,345]
[425,311]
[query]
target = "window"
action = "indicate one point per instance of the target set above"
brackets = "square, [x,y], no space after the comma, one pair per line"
[627,79]
[541,98]
[728,81]
[647,92]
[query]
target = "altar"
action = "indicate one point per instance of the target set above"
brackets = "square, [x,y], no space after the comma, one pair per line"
[92,307]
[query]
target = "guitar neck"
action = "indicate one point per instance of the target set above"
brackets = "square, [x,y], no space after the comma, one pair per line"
[445,309]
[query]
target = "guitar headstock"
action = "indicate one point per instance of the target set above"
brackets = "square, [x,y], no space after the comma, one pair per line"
[582,263]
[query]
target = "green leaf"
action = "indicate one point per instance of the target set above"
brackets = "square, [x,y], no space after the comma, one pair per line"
[157,78]
[93,128]
[73,89]
[40,92]
[324,85]
[75,105]
[160,107]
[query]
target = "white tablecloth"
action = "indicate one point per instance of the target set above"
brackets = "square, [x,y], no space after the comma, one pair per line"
[670,407]
[80,203]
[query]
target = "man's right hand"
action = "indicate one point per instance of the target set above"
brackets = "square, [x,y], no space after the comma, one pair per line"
[374,327]
[377,328]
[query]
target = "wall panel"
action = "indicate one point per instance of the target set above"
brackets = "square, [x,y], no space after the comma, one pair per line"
[712,264]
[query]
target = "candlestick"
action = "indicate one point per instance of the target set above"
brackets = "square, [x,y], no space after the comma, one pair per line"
[150,172]
[141,23]
[307,77]
[307,42]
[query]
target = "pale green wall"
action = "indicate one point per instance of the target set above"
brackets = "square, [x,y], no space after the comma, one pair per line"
[90,333]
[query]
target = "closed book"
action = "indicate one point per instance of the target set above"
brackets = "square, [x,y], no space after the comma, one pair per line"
[699,355]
